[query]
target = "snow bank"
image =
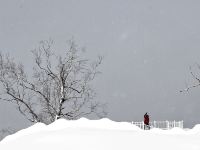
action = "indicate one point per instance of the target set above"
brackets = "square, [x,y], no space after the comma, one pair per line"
[31,130]
[195,129]
[104,134]
[104,123]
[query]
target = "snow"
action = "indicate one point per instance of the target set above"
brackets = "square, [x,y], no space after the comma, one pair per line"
[104,134]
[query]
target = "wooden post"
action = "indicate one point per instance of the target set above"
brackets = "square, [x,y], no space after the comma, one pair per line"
[182,124]
[154,124]
[143,127]
[167,122]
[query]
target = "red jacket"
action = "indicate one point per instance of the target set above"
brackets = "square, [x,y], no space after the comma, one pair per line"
[146,119]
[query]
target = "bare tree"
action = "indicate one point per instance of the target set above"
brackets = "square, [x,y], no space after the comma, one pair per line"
[59,87]
[196,79]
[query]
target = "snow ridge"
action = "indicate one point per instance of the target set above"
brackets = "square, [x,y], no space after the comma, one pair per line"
[104,134]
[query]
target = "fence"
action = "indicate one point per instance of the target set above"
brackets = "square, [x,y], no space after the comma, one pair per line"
[161,124]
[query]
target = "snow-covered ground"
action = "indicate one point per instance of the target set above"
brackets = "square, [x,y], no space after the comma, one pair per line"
[104,134]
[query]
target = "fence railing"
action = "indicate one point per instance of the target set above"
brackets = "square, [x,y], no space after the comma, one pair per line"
[160,124]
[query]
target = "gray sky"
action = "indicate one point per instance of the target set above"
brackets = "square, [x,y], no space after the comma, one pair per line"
[147,46]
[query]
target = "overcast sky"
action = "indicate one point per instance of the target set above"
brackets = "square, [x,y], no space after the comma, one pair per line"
[147,46]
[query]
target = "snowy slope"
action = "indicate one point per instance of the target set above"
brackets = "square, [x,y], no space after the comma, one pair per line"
[101,134]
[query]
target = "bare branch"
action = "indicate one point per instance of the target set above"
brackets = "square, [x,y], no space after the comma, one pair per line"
[196,78]
[60,85]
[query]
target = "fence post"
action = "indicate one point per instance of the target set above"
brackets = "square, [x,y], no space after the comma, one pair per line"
[167,122]
[182,124]
[142,125]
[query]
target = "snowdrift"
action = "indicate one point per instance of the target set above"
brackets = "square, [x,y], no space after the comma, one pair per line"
[104,134]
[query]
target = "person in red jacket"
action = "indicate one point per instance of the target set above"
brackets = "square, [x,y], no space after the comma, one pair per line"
[146,122]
